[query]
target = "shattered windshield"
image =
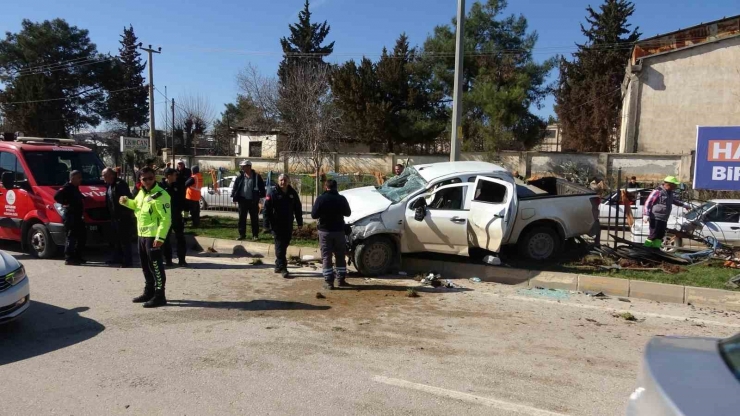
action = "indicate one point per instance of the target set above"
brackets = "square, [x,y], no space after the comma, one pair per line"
[697,212]
[403,185]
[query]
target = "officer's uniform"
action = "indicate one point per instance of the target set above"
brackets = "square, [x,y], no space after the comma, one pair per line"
[74,223]
[279,211]
[153,215]
[177,199]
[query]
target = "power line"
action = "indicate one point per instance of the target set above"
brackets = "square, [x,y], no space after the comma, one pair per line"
[51,67]
[69,98]
[104,113]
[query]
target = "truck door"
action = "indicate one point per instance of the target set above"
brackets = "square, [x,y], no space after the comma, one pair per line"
[491,215]
[442,229]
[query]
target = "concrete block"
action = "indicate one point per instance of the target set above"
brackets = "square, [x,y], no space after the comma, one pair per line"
[236,248]
[609,285]
[554,280]
[507,276]
[656,291]
[197,243]
[293,252]
[714,298]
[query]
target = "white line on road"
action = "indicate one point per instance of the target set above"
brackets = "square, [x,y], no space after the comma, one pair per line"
[498,404]
[614,310]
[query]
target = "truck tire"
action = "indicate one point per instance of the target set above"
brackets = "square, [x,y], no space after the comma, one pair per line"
[40,243]
[203,204]
[540,244]
[374,256]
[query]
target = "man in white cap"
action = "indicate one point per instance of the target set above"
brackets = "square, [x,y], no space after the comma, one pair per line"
[248,188]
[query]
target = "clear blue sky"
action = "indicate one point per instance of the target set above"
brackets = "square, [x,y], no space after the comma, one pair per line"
[206,43]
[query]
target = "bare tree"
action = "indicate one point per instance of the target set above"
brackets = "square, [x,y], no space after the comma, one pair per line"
[194,115]
[263,93]
[308,115]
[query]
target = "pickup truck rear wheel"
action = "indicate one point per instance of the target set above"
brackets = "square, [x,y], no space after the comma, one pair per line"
[40,243]
[374,256]
[540,243]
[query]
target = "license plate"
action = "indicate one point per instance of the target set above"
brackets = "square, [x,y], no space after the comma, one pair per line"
[93,228]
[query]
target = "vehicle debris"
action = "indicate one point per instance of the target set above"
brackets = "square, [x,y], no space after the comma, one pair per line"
[256,262]
[319,295]
[475,279]
[411,293]
[492,260]
[626,316]
[433,280]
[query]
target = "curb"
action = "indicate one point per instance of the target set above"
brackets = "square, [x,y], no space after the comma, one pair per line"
[659,292]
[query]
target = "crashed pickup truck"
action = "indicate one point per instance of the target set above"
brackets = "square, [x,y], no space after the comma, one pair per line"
[456,207]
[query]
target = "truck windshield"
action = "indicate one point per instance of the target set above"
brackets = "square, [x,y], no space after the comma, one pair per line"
[403,185]
[52,168]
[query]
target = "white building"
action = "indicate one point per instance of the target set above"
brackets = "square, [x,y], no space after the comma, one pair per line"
[255,143]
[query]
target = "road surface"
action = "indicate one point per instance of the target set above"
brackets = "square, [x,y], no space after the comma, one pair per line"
[237,339]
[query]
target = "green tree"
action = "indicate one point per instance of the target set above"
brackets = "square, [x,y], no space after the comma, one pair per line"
[588,99]
[389,101]
[130,103]
[52,77]
[501,80]
[305,43]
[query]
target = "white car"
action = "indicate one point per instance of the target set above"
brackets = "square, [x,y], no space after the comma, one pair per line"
[211,198]
[453,207]
[719,218]
[612,213]
[15,297]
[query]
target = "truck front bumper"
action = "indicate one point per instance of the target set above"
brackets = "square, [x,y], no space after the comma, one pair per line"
[97,234]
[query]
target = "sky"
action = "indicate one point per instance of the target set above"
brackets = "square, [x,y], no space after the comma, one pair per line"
[206,43]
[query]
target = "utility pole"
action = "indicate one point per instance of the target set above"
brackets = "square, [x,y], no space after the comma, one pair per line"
[457,94]
[152,131]
[173,132]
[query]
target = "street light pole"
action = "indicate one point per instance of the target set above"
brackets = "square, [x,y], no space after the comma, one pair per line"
[456,137]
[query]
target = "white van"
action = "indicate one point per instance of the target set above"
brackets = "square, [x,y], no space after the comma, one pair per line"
[15,293]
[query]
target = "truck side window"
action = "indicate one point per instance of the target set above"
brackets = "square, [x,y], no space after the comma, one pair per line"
[490,192]
[448,199]
[10,163]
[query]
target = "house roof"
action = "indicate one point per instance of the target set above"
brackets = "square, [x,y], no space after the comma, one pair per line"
[252,129]
[725,28]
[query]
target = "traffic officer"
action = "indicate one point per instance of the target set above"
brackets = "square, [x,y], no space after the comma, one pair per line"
[122,222]
[658,208]
[174,188]
[330,209]
[153,215]
[71,199]
[282,204]
[192,194]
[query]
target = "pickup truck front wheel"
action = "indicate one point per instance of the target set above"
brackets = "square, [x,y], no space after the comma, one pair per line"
[540,243]
[374,256]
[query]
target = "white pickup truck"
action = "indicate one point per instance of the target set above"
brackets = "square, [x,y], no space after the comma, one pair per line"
[454,207]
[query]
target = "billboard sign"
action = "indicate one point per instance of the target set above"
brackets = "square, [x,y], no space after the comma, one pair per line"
[717,162]
[134,143]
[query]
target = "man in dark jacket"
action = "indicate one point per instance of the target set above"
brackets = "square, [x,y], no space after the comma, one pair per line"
[70,197]
[248,188]
[330,209]
[122,220]
[281,206]
[173,186]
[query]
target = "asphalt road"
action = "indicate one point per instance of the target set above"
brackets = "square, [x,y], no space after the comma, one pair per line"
[237,339]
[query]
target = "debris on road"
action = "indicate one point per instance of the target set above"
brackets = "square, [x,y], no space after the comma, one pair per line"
[319,295]
[433,280]
[411,293]
[492,260]
[211,250]
[256,262]
[598,295]
[475,279]
[624,300]
[308,257]
[626,316]
[556,294]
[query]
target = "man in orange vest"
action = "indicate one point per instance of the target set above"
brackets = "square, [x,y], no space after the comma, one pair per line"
[194,184]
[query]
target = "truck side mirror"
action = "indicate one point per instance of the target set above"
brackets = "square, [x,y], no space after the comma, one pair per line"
[8,180]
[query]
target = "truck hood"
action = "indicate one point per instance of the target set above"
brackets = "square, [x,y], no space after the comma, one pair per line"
[365,201]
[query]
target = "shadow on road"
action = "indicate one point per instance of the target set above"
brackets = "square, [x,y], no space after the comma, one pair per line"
[43,329]
[221,266]
[254,305]
[395,288]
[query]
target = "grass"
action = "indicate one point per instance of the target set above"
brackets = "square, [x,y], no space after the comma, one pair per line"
[226,228]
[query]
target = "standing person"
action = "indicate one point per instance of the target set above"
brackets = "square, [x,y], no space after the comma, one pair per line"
[153,215]
[658,208]
[183,174]
[632,182]
[192,194]
[330,209]
[70,197]
[281,206]
[122,222]
[516,175]
[172,185]
[398,169]
[248,188]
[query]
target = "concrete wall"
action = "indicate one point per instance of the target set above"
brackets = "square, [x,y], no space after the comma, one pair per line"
[647,167]
[678,91]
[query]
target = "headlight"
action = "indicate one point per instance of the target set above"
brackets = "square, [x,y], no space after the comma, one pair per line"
[16,277]
[60,209]
[367,220]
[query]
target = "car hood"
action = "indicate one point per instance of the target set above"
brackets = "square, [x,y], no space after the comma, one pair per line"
[8,263]
[365,201]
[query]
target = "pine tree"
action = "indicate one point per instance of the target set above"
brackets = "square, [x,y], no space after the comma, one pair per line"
[304,45]
[130,106]
[588,99]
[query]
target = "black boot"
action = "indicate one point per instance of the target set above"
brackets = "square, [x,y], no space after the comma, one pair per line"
[144,297]
[158,300]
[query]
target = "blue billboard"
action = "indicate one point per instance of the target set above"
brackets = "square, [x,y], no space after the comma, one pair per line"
[717,161]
